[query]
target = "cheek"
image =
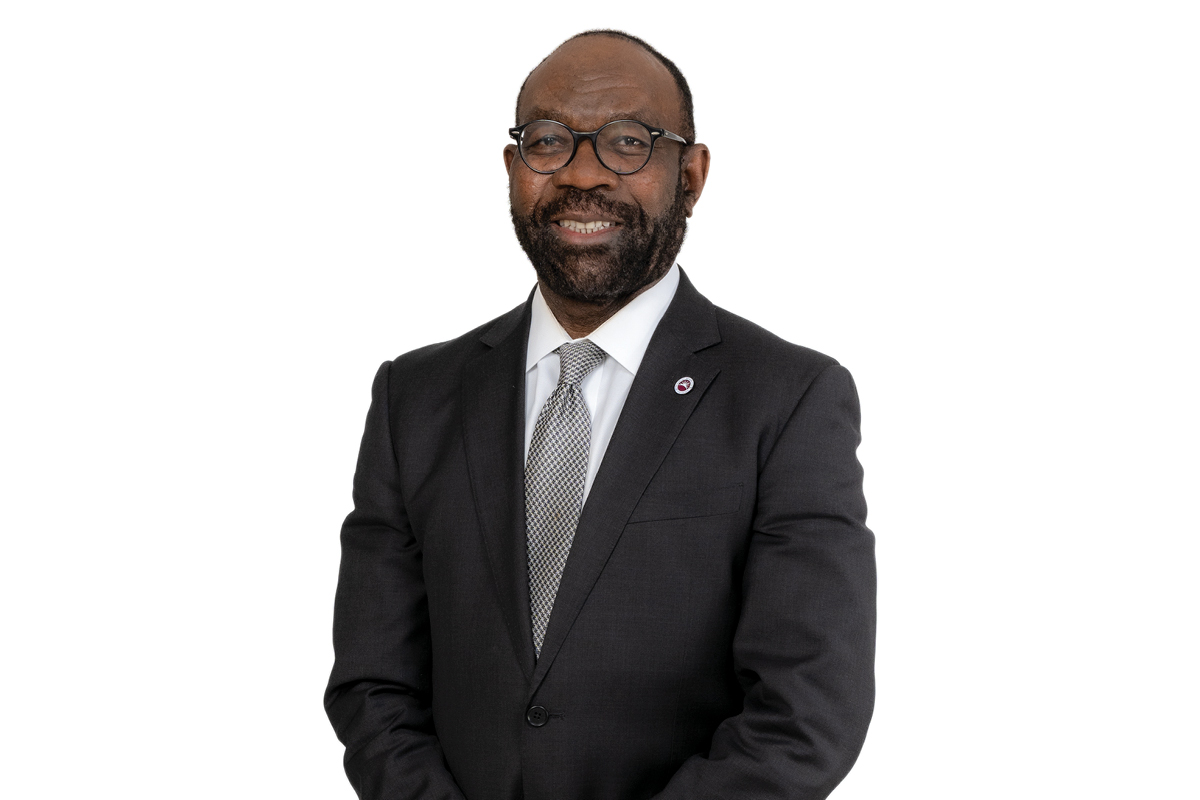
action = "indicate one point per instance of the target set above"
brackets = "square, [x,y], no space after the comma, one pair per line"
[654,187]
[524,191]
[654,197]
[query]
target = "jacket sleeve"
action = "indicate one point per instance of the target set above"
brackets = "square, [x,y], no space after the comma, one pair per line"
[378,694]
[804,647]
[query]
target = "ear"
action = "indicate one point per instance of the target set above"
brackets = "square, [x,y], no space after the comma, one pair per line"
[694,171]
[510,152]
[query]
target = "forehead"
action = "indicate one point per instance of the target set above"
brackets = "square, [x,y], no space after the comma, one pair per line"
[595,79]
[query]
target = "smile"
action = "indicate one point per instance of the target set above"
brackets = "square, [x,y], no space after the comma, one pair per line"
[585,227]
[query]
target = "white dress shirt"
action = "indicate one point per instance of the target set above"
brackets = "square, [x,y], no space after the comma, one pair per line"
[623,338]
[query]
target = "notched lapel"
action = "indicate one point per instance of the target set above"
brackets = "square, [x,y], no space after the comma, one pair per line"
[493,398]
[653,415]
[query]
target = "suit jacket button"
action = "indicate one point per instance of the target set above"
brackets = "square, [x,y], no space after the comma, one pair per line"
[536,716]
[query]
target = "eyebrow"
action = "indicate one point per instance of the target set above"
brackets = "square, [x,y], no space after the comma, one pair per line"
[544,113]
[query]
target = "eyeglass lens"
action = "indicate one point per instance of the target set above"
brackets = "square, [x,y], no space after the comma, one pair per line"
[622,146]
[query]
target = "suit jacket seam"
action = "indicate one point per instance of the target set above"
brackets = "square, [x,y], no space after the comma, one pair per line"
[795,409]
[387,407]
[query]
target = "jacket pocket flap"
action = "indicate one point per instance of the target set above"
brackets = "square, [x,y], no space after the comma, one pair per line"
[687,503]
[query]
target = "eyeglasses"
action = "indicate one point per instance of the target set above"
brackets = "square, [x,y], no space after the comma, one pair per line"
[623,146]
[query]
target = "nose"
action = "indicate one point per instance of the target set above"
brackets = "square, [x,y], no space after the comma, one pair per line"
[585,170]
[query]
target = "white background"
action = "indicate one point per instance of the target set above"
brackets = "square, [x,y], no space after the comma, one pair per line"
[217,219]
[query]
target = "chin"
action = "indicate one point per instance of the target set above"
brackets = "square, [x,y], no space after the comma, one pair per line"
[594,283]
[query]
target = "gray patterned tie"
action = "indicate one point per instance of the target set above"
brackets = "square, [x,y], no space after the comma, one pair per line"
[554,478]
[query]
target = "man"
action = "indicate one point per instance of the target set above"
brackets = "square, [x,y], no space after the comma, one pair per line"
[611,544]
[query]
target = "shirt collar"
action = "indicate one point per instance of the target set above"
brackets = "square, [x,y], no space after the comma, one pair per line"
[624,336]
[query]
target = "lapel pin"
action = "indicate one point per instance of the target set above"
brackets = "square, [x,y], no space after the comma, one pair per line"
[683,385]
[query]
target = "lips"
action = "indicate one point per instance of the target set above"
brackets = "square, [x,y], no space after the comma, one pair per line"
[577,226]
[577,215]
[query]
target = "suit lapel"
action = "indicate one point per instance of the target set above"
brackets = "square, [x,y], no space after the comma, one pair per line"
[493,400]
[651,419]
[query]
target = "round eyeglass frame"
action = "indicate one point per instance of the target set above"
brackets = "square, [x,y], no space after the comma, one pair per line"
[655,135]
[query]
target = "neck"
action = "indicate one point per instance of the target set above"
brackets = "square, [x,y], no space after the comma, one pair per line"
[580,317]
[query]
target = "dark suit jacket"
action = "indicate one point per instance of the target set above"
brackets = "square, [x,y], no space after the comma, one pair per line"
[713,634]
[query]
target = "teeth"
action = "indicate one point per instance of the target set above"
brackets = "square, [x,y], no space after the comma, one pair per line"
[584,227]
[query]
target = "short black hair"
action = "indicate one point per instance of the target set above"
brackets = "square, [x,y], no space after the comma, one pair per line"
[685,93]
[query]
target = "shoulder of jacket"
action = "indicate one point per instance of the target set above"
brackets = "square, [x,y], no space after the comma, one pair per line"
[443,357]
[746,344]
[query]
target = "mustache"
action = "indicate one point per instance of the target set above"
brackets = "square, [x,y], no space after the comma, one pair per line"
[579,201]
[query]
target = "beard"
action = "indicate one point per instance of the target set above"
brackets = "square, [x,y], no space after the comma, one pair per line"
[601,273]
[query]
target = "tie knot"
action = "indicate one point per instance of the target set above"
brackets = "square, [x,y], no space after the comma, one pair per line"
[577,359]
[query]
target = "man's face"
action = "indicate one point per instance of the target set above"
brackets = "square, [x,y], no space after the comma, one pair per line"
[585,84]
